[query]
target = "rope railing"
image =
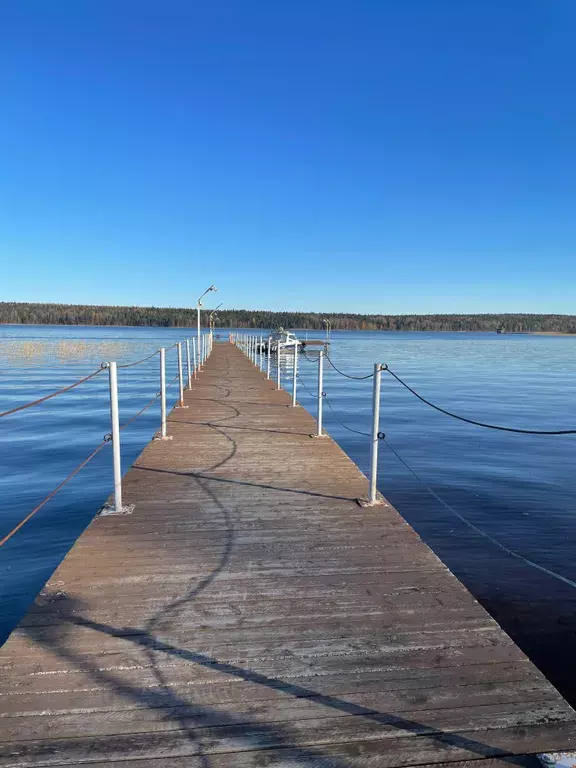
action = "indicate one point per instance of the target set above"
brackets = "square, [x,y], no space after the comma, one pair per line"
[53,493]
[347,375]
[247,343]
[475,528]
[201,351]
[140,412]
[479,423]
[139,362]
[52,394]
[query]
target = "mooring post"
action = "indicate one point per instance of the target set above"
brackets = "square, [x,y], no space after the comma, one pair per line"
[115,426]
[162,393]
[375,432]
[295,375]
[320,391]
[261,352]
[278,370]
[180,380]
[268,356]
[194,357]
[188,364]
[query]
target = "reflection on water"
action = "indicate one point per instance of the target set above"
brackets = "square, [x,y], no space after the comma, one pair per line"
[64,352]
[517,488]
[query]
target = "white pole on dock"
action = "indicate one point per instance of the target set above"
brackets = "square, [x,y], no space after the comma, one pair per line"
[194,358]
[278,370]
[162,393]
[261,352]
[199,336]
[375,432]
[268,356]
[320,391]
[188,365]
[180,381]
[295,376]
[115,425]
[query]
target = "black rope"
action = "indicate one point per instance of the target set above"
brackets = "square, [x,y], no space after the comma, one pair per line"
[475,528]
[479,423]
[137,362]
[312,394]
[356,431]
[347,375]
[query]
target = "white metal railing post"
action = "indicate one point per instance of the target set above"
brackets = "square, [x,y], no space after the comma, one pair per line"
[375,432]
[188,364]
[268,356]
[261,366]
[278,369]
[194,358]
[320,390]
[162,392]
[295,376]
[115,425]
[180,381]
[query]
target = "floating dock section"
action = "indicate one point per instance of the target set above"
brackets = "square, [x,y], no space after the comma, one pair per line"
[250,613]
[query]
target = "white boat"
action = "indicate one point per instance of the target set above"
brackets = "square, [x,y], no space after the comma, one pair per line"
[282,339]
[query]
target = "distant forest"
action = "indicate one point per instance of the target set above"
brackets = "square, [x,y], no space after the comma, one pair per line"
[80,314]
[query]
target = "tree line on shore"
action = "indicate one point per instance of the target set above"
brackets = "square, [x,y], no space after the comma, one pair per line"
[168,317]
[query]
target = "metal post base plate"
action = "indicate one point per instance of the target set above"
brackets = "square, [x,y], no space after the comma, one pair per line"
[109,509]
[158,436]
[181,406]
[322,435]
[380,501]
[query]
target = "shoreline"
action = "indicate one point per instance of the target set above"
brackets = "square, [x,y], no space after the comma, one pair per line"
[307,330]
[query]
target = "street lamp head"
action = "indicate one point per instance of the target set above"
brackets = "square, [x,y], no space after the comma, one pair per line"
[212,288]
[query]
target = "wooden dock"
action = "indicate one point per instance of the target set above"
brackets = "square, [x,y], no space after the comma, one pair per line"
[249,613]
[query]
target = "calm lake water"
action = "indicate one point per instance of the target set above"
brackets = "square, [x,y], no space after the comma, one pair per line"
[519,489]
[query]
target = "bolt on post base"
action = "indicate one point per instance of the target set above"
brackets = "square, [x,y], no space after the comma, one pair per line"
[379,501]
[317,435]
[181,406]
[110,509]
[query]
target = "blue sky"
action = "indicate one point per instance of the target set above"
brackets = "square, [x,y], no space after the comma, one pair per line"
[355,155]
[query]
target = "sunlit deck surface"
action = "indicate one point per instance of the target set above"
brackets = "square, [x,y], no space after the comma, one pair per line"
[250,613]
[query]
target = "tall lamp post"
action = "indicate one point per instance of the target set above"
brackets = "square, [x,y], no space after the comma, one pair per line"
[198,306]
[213,314]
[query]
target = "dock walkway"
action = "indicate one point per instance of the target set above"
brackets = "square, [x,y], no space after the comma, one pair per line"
[249,613]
